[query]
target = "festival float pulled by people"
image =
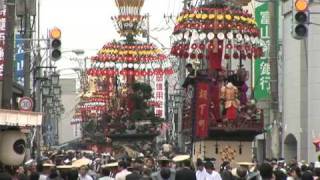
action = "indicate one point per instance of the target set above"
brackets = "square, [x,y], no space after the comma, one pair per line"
[117,110]
[218,41]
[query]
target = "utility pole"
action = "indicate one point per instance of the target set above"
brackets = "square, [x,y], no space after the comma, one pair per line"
[275,117]
[27,35]
[38,83]
[7,90]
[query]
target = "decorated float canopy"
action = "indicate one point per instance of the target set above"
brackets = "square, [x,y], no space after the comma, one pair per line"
[130,56]
[221,26]
[136,59]
[129,21]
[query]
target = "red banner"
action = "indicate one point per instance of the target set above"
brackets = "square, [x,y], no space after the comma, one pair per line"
[202,110]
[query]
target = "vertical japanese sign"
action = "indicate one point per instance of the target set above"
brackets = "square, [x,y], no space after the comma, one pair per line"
[2,40]
[18,63]
[261,65]
[159,96]
[202,110]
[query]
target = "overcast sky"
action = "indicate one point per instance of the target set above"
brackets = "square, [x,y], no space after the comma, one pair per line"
[86,24]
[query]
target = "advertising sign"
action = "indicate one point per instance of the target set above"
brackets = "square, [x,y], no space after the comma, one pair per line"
[262,65]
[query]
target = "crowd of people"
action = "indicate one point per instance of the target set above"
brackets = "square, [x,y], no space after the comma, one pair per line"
[104,167]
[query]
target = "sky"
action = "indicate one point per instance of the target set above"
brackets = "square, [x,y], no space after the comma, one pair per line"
[87,24]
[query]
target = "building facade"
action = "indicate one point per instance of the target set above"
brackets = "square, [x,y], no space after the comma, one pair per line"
[70,98]
[301,86]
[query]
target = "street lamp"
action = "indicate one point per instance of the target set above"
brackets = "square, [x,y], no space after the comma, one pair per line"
[46,88]
[56,91]
[55,78]
[49,100]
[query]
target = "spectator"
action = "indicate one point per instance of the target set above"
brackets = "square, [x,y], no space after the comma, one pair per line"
[201,171]
[83,173]
[123,172]
[211,174]
[307,176]
[266,171]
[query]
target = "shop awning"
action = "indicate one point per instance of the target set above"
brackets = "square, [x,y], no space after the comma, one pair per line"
[19,118]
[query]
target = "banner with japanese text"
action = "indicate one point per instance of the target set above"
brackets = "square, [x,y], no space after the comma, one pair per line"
[19,60]
[202,110]
[262,65]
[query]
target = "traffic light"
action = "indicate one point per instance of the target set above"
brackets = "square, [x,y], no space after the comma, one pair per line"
[55,44]
[300,19]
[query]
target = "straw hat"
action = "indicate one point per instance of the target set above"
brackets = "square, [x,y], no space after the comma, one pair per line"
[180,158]
[81,162]
[247,164]
[48,165]
[164,158]
[110,165]
[65,167]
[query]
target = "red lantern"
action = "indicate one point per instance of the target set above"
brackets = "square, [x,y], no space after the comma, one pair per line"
[193,56]
[194,46]
[202,46]
[243,56]
[200,56]
[210,46]
[185,55]
[229,46]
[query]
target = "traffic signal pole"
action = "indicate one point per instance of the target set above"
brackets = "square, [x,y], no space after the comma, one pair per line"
[273,56]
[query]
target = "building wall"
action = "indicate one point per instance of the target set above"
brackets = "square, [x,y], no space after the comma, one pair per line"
[313,80]
[301,85]
[70,99]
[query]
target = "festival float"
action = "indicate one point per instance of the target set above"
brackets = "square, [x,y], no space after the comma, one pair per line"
[220,40]
[117,108]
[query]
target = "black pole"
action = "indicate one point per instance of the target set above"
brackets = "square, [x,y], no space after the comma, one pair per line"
[193,119]
[7,90]
[166,90]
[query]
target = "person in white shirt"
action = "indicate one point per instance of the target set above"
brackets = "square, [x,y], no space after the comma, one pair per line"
[201,172]
[123,172]
[83,173]
[211,173]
